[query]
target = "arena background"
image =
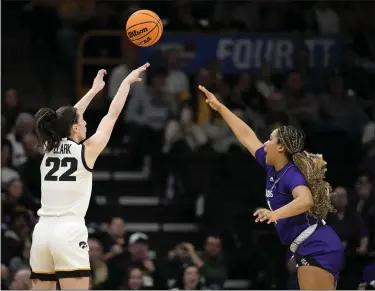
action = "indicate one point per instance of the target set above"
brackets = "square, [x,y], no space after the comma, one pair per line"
[174,178]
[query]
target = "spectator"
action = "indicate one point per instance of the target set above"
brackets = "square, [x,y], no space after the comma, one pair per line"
[327,19]
[235,97]
[219,134]
[119,73]
[368,143]
[8,173]
[29,170]
[247,98]
[22,261]
[99,268]
[147,114]
[301,103]
[341,110]
[3,125]
[114,240]
[184,130]
[189,280]
[154,108]
[152,276]
[348,224]
[178,258]
[362,199]
[350,227]
[133,280]
[313,80]
[354,77]
[278,114]
[211,264]
[15,236]
[16,195]
[363,196]
[264,84]
[362,43]
[4,277]
[368,137]
[210,78]
[177,82]
[24,124]
[11,108]
[21,280]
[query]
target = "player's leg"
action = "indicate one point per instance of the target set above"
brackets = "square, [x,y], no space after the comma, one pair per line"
[37,284]
[43,276]
[75,283]
[315,278]
[71,257]
[317,272]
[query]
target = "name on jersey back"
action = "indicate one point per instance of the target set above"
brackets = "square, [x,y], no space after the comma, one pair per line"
[64,149]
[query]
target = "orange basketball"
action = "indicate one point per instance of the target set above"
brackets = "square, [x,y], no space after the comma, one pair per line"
[144,28]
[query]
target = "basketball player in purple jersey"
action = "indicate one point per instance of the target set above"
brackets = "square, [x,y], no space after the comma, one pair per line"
[298,198]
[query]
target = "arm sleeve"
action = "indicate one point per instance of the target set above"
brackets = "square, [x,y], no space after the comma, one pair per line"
[295,179]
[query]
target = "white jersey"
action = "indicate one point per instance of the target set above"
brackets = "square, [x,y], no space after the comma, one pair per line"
[66,181]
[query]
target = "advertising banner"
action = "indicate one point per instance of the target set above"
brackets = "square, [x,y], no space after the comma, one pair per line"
[245,53]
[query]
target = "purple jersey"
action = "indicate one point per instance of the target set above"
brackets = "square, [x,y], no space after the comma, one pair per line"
[279,187]
[323,247]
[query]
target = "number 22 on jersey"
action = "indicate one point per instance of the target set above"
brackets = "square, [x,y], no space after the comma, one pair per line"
[68,162]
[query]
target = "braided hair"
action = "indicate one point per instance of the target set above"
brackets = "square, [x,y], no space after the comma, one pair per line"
[312,166]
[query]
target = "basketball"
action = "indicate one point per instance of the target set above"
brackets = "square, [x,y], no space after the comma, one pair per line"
[144,28]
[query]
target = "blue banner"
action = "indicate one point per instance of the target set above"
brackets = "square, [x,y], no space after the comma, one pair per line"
[245,53]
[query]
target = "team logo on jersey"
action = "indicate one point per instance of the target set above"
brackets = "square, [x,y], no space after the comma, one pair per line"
[83,245]
[269,193]
[304,262]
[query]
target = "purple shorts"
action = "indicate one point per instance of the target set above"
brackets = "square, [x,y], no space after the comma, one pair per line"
[322,249]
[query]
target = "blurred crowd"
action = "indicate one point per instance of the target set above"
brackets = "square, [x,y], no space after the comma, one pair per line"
[194,153]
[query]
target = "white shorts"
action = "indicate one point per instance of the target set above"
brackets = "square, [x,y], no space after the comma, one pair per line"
[59,249]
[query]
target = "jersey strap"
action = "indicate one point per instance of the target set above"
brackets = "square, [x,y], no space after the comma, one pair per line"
[83,158]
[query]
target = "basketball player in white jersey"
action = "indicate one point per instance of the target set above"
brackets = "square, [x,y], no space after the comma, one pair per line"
[59,247]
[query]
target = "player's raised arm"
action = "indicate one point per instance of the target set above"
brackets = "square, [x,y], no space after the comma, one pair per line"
[96,144]
[242,131]
[97,86]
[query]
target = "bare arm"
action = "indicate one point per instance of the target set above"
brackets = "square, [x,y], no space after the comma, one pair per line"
[193,255]
[242,131]
[97,86]
[96,144]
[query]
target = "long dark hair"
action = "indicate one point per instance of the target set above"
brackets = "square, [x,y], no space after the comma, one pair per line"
[52,126]
[180,282]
